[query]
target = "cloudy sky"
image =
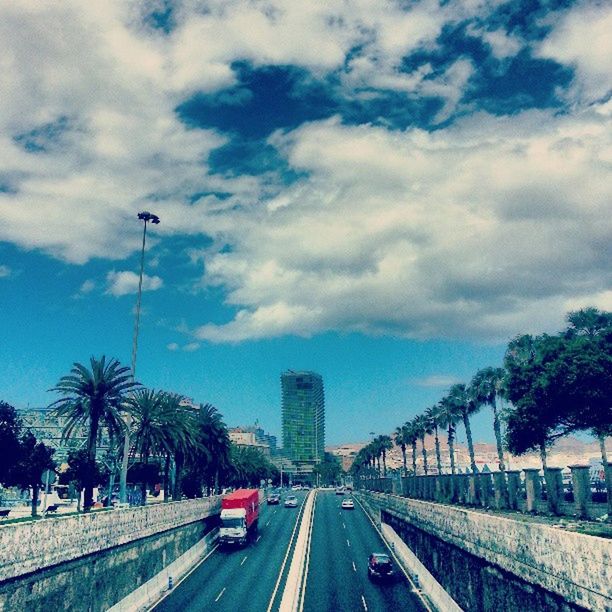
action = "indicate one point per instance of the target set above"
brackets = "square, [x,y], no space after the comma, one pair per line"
[382,192]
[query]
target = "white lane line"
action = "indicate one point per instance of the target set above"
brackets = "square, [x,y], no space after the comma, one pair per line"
[282,569]
[348,543]
[258,538]
[344,526]
[242,562]
[365,606]
[220,594]
[267,523]
[354,568]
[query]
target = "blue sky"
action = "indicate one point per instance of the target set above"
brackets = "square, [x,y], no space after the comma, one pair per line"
[382,192]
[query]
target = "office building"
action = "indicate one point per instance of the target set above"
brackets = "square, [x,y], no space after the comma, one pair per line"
[303,416]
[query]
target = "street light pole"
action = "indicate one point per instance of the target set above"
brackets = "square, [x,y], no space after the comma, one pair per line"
[146,217]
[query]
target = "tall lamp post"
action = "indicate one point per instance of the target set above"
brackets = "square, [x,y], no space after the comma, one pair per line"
[147,217]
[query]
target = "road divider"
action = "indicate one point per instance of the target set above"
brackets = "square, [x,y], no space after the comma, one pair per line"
[293,595]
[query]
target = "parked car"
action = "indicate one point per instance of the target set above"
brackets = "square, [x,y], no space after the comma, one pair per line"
[380,567]
[291,501]
[347,504]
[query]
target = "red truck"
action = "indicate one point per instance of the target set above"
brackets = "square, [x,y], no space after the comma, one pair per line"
[239,514]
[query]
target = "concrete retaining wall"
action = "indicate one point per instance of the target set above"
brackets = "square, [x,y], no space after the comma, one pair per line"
[574,566]
[32,546]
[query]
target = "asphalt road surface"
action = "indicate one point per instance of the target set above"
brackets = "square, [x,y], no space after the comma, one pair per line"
[337,579]
[241,578]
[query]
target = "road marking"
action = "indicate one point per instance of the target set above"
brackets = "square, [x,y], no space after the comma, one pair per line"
[307,561]
[258,538]
[223,591]
[242,562]
[348,543]
[267,523]
[365,606]
[415,589]
[343,525]
[280,575]
[354,568]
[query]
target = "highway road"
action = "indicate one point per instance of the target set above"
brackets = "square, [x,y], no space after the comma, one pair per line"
[336,579]
[244,578]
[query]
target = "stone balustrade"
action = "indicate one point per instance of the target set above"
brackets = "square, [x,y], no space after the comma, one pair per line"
[534,493]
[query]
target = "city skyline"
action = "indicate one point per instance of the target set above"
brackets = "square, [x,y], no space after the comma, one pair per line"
[384,193]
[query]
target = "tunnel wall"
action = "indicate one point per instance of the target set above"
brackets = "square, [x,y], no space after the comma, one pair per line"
[489,562]
[90,562]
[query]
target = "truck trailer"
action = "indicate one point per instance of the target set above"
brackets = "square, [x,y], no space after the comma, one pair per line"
[239,514]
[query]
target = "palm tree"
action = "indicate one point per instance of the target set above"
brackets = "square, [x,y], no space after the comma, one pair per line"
[462,397]
[448,416]
[215,444]
[386,444]
[93,398]
[487,387]
[433,416]
[401,439]
[412,438]
[423,428]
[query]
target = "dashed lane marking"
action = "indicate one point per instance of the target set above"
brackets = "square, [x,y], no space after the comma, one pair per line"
[354,567]
[267,523]
[343,525]
[258,538]
[365,605]
[348,543]
[242,562]
[223,591]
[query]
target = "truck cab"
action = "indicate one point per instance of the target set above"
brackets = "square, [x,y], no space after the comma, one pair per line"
[233,528]
[239,515]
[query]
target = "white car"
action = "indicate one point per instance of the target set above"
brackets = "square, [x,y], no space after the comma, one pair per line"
[291,501]
[347,504]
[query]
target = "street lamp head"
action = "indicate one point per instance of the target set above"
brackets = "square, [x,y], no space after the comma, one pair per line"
[145,216]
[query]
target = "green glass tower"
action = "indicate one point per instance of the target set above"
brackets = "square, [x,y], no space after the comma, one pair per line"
[303,406]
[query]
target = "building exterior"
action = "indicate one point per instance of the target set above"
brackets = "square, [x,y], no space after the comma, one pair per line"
[303,417]
[242,438]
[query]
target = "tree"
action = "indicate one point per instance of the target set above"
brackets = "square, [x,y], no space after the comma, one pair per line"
[449,414]
[214,441]
[462,398]
[433,416]
[487,386]
[329,469]
[10,432]
[412,435]
[401,440]
[384,443]
[33,459]
[93,398]
[80,471]
[423,428]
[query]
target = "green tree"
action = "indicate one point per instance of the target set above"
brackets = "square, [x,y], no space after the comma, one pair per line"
[329,470]
[80,471]
[92,398]
[423,429]
[385,444]
[449,414]
[33,459]
[433,416]
[487,387]
[412,437]
[462,397]
[401,440]
[10,433]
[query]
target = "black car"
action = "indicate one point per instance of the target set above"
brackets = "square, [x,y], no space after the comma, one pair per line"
[380,566]
[273,498]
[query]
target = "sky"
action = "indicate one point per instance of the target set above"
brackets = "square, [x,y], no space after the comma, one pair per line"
[381,192]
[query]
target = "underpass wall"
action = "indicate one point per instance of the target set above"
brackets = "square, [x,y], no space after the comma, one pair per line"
[90,562]
[488,562]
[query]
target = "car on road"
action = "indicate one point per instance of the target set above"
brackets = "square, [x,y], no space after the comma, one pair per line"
[380,567]
[273,499]
[347,504]
[340,491]
[297,487]
[291,501]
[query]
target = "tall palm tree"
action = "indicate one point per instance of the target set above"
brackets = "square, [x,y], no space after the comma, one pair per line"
[385,444]
[214,442]
[449,415]
[401,439]
[93,398]
[412,438]
[487,386]
[433,416]
[423,428]
[462,397]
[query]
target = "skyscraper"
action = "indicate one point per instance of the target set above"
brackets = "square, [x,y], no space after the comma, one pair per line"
[303,407]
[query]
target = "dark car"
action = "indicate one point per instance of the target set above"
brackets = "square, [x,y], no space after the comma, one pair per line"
[380,566]
[273,498]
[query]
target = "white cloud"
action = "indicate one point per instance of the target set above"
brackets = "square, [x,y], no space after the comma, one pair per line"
[173,346]
[437,380]
[582,39]
[5,271]
[482,229]
[126,282]
[191,347]
[87,287]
